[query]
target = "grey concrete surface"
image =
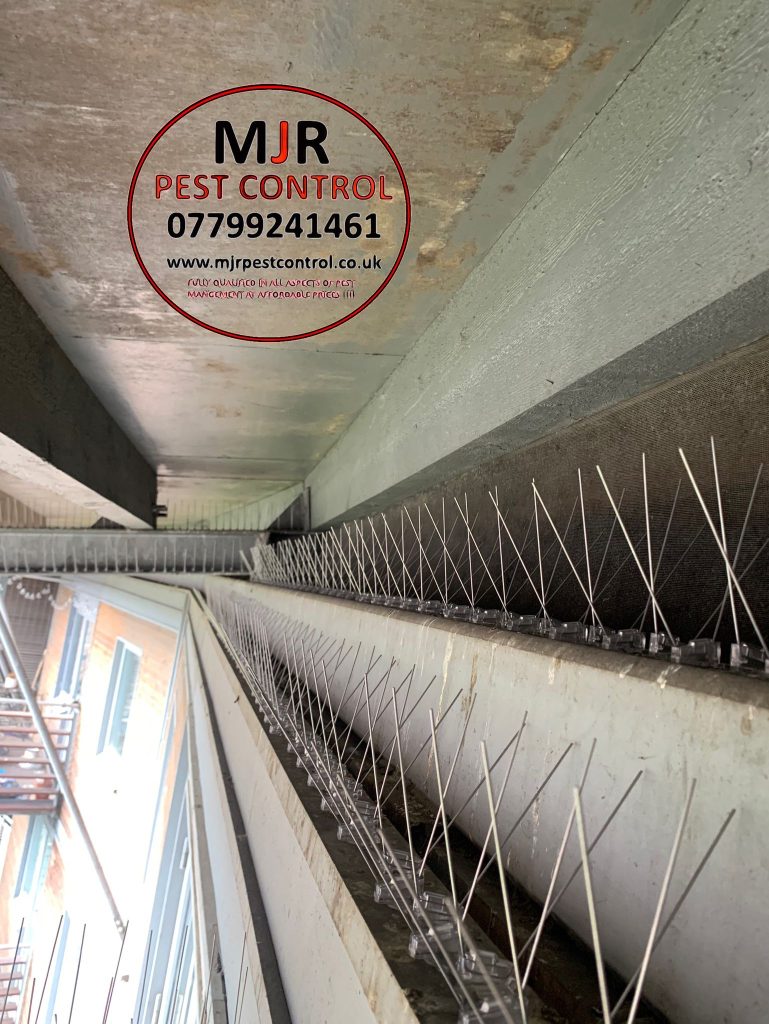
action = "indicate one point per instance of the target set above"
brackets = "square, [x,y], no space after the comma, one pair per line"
[239,905]
[643,254]
[480,101]
[673,723]
[55,432]
[331,965]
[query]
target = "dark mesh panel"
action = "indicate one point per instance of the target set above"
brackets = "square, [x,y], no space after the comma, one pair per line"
[728,399]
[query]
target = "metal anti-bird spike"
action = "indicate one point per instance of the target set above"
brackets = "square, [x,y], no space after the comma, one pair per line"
[660,904]
[484,563]
[446,838]
[649,586]
[737,551]
[722,551]
[585,856]
[441,718]
[468,898]
[538,497]
[540,594]
[546,906]
[528,806]
[678,904]
[493,807]
[453,765]
[594,842]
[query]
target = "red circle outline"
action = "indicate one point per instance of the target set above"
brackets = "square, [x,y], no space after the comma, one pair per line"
[253,88]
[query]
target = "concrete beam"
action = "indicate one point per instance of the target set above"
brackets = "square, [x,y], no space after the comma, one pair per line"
[673,723]
[55,432]
[640,257]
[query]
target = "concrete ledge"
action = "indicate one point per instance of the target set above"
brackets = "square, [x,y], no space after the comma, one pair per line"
[672,723]
[725,685]
[241,943]
[309,905]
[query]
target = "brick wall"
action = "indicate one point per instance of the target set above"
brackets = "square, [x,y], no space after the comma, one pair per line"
[120,796]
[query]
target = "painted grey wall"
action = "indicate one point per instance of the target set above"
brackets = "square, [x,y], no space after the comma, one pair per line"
[674,723]
[654,214]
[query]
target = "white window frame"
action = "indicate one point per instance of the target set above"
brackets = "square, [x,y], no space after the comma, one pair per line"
[122,646]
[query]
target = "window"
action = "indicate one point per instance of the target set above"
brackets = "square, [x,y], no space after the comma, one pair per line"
[55,968]
[117,709]
[170,991]
[73,655]
[34,859]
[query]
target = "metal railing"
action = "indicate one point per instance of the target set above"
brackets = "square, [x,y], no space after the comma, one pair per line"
[27,782]
[13,970]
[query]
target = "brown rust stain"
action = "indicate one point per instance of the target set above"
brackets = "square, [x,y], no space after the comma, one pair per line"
[223,412]
[532,147]
[217,366]
[33,263]
[556,52]
[43,263]
[435,262]
[525,44]
[537,46]
[500,138]
[598,60]
[519,50]
[337,424]
[430,250]
[467,700]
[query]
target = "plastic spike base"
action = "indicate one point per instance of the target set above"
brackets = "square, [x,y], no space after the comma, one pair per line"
[457,611]
[571,632]
[485,616]
[497,967]
[435,904]
[748,656]
[535,625]
[631,640]
[660,644]
[490,1010]
[402,857]
[427,945]
[395,893]
[697,652]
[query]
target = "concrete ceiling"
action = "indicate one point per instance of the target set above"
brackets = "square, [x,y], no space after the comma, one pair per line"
[480,100]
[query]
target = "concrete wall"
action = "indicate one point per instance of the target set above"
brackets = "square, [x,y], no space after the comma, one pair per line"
[237,944]
[675,724]
[332,969]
